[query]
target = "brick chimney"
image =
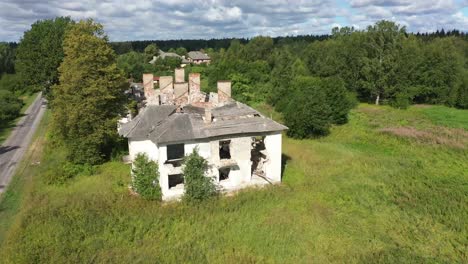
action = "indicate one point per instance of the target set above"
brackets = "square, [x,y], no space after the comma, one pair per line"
[179,75]
[195,94]
[148,86]
[181,93]
[194,82]
[224,91]
[166,87]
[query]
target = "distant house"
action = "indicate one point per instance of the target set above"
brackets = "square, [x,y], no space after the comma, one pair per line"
[198,57]
[164,55]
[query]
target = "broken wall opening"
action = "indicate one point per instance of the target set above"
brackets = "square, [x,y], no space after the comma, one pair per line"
[175,154]
[225,149]
[175,179]
[258,156]
[224,173]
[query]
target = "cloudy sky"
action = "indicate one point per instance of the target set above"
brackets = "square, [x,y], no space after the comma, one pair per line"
[175,19]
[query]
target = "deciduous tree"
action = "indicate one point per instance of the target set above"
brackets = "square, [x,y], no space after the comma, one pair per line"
[90,97]
[40,53]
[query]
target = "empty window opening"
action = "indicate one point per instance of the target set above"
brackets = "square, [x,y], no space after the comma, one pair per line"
[225,149]
[175,180]
[224,174]
[175,152]
[258,156]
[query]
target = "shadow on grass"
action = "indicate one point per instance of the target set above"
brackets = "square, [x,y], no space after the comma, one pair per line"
[284,160]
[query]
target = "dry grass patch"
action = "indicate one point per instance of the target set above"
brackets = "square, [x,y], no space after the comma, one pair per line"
[452,137]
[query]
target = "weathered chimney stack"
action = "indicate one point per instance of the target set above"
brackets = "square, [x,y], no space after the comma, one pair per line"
[181,93]
[195,94]
[194,82]
[148,87]
[179,75]
[224,91]
[166,87]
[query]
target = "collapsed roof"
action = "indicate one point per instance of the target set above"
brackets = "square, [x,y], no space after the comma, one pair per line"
[164,124]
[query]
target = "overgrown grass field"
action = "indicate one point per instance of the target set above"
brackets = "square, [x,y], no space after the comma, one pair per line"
[390,186]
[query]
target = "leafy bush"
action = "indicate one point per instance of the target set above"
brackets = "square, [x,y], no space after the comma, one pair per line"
[145,178]
[198,187]
[10,106]
[315,105]
[66,171]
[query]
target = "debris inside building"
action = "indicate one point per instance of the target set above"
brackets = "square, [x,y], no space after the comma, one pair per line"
[242,147]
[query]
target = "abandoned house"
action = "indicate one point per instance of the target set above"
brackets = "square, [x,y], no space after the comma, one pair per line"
[242,147]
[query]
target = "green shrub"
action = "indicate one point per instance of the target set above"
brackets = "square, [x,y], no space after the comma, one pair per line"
[307,113]
[10,106]
[66,171]
[198,187]
[315,104]
[145,179]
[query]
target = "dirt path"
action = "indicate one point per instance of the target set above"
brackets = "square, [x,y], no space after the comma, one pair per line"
[13,149]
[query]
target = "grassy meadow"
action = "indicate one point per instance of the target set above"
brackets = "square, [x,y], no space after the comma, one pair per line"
[391,186]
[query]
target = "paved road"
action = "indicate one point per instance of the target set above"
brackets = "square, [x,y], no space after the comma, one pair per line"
[13,149]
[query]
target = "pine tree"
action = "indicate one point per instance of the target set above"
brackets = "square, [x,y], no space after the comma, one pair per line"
[89,98]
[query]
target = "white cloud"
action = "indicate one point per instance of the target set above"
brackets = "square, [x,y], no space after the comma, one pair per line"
[175,19]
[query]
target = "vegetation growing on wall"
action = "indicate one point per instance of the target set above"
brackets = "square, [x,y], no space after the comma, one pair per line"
[145,178]
[197,185]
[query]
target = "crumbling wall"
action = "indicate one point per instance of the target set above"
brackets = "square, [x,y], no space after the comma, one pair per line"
[240,152]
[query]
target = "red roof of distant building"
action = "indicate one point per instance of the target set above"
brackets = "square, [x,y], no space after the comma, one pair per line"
[155,78]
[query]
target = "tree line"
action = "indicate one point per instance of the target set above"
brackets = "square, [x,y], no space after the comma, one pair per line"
[314,84]
[313,81]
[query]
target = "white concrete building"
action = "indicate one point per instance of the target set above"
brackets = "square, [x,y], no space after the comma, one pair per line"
[242,146]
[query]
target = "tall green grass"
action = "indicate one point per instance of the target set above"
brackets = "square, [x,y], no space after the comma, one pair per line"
[446,116]
[356,196]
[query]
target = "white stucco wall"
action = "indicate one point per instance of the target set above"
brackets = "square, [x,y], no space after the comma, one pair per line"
[204,149]
[240,152]
[240,149]
[143,146]
[273,148]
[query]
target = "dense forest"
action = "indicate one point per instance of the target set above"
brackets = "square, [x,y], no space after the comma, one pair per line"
[315,81]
